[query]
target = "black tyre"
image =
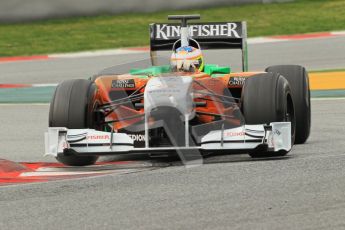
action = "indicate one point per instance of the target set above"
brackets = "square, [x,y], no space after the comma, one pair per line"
[297,76]
[71,107]
[267,98]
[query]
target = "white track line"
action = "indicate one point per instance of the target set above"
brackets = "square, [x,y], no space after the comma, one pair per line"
[24,104]
[108,52]
[96,53]
[327,98]
[71,173]
[44,85]
[261,40]
[338,33]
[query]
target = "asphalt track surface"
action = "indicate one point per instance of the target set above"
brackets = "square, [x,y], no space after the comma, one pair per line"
[302,191]
[314,54]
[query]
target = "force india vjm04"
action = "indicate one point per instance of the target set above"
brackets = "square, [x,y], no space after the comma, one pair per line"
[179,103]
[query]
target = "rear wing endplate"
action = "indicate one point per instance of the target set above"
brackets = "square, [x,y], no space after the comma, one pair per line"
[213,35]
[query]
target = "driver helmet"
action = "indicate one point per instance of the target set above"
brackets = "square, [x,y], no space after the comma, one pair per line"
[187,59]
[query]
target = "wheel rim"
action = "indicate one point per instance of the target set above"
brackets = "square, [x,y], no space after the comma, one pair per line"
[290,116]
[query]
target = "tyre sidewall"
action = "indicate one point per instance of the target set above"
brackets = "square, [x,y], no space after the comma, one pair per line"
[71,107]
[298,79]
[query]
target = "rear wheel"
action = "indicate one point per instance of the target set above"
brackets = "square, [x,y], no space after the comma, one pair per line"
[267,98]
[297,76]
[71,107]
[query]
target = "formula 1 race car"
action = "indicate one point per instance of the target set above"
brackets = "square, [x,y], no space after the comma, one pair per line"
[179,104]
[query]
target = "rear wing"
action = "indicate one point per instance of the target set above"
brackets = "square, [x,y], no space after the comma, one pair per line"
[213,35]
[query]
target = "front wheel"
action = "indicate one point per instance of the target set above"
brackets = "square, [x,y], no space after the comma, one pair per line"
[267,98]
[71,107]
[297,76]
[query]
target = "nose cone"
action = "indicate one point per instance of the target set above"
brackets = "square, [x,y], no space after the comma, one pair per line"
[173,91]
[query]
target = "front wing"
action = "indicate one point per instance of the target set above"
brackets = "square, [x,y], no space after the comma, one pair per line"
[275,137]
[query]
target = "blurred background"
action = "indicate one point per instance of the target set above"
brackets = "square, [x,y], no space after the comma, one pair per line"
[44,42]
[24,10]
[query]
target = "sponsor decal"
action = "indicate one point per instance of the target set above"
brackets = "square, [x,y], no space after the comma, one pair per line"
[234,134]
[220,30]
[123,83]
[137,137]
[237,81]
[98,137]
[160,91]
[276,132]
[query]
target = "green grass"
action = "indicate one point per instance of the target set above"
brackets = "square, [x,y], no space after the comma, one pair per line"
[104,32]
